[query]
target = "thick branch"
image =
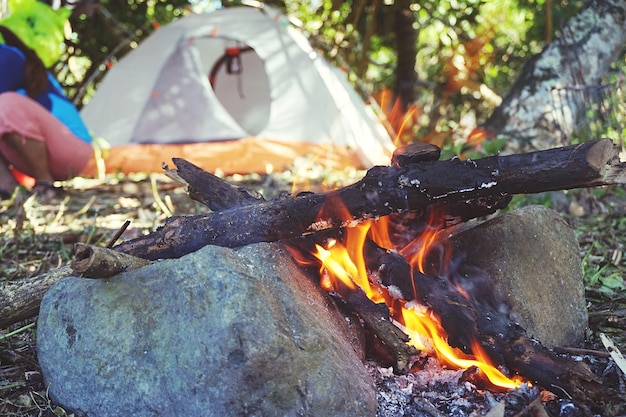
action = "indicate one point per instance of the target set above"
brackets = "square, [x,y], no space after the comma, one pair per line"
[19,300]
[208,189]
[96,262]
[385,190]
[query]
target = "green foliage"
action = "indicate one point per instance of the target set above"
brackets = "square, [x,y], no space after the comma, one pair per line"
[605,277]
[469,52]
[488,147]
[472,51]
[116,27]
[605,108]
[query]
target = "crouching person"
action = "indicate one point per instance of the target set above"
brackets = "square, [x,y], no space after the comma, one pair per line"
[41,132]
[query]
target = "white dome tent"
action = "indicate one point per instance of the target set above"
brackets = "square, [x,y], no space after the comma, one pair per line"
[234,89]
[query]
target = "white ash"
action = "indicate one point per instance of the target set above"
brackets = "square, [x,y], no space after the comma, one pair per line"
[434,391]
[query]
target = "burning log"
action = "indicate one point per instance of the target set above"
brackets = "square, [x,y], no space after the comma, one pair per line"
[467,320]
[383,191]
[469,323]
[376,316]
[217,194]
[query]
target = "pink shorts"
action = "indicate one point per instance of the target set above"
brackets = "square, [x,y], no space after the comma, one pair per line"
[67,154]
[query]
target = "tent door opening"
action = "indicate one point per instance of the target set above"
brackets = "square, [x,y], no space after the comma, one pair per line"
[238,78]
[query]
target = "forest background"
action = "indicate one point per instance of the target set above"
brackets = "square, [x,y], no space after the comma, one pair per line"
[448,62]
[438,69]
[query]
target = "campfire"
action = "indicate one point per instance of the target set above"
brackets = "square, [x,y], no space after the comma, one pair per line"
[380,247]
[343,268]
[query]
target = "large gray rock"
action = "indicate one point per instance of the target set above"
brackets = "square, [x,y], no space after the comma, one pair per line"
[216,333]
[534,257]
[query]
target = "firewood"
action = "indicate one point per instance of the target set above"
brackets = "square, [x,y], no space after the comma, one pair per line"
[208,189]
[20,300]
[415,152]
[96,262]
[221,195]
[376,316]
[505,341]
[383,191]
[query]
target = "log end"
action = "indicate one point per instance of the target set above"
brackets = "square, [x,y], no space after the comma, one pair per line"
[602,154]
[415,152]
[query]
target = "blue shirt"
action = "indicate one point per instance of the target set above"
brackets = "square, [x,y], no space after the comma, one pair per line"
[12,79]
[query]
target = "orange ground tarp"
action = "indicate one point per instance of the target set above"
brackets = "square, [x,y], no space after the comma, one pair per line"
[231,157]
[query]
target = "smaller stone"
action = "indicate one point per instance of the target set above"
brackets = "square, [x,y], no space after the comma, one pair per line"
[533,256]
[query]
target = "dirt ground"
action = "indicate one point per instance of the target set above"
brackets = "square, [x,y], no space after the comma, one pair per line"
[38,236]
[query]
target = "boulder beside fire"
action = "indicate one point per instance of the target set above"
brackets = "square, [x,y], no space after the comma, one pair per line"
[533,256]
[216,332]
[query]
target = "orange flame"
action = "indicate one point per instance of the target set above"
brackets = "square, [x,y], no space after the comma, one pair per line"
[343,264]
[400,121]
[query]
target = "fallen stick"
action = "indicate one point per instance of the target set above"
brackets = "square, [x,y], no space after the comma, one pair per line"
[20,300]
[383,191]
[96,262]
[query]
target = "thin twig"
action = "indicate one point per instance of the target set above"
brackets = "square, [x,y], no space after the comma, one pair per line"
[118,234]
[579,351]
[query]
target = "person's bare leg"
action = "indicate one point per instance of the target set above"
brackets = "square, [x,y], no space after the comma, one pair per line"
[7,180]
[34,155]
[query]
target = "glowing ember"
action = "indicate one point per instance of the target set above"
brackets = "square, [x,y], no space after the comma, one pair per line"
[342,267]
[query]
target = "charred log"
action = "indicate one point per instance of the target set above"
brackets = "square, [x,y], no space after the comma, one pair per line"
[467,320]
[208,189]
[376,317]
[383,191]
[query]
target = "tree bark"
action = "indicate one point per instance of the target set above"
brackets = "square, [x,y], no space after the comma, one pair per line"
[406,50]
[383,191]
[208,189]
[96,262]
[542,107]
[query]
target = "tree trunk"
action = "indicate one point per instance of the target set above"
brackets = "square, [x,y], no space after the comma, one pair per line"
[542,107]
[406,44]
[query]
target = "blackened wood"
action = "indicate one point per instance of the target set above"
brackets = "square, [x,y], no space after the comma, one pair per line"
[561,375]
[376,317]
[220,195]
[415,152]
[208,189]
[385,190]
[478,319]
